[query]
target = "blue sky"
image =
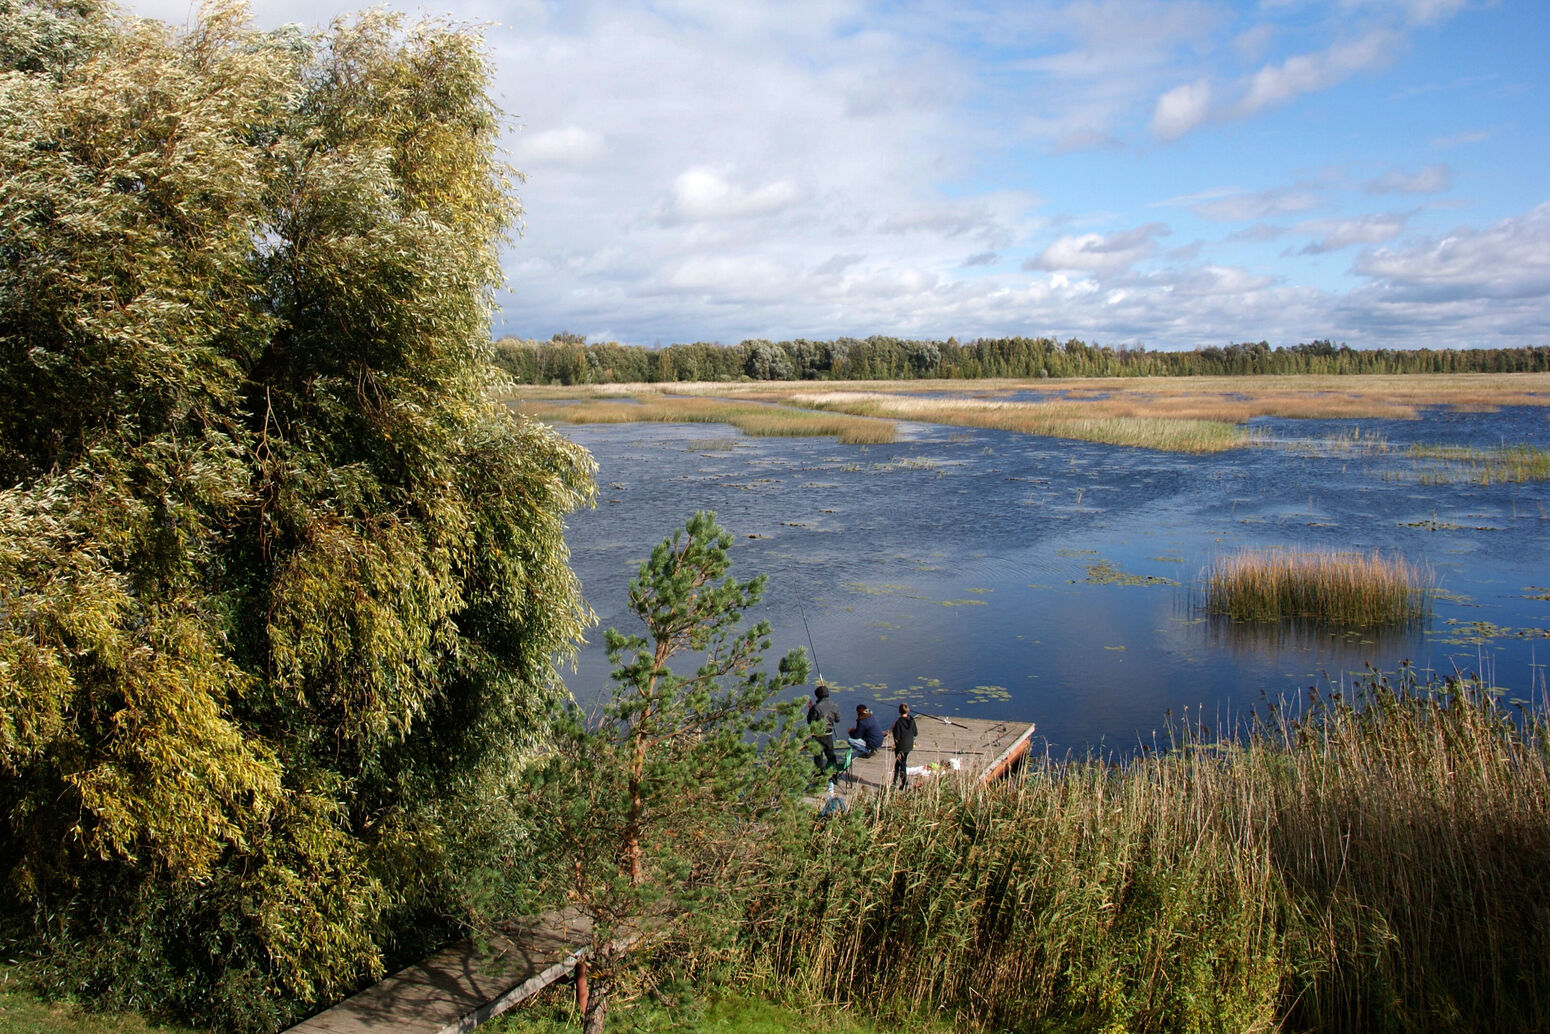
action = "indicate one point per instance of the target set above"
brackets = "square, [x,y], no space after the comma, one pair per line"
[1165,174]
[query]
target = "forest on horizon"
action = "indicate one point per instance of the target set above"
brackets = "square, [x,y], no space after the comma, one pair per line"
[567,359]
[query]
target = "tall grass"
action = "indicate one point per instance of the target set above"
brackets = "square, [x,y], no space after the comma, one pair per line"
[1348,590]
[1511,464]
[1373,864]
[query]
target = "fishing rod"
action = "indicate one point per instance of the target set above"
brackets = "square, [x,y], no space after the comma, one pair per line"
[810,645]
[944,721]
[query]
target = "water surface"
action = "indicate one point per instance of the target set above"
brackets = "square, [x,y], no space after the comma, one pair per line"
[1001,575]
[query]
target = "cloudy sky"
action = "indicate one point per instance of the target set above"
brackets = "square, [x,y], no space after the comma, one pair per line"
[1168,174]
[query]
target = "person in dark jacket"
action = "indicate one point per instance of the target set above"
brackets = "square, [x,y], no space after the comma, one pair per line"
[903,742]
[867,735]
[825,712]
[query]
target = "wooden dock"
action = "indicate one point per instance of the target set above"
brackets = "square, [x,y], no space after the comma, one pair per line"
[984,750]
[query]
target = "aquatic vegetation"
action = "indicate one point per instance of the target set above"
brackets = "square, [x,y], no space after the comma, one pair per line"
[1349,590]
[1513,464]
[1105,573]
[1476,633]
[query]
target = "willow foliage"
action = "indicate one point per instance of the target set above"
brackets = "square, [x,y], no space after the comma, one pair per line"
[281,591]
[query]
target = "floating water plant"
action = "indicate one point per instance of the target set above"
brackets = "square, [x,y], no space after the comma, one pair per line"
[1349,590]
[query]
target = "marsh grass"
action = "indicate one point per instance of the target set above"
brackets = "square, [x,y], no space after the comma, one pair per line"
[1375,862]
[1440,464]
[752,418]
[1078,420]
[1345,590]
[1182,414]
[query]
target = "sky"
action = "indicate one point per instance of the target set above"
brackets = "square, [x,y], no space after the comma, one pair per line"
[1162,173]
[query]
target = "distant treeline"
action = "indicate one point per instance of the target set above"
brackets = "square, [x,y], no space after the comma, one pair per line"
[567,359]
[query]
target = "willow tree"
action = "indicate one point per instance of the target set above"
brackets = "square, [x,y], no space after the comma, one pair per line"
[281,591]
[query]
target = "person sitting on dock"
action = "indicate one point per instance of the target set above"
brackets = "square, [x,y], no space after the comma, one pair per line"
[826,711]
[903,742]
[867,735]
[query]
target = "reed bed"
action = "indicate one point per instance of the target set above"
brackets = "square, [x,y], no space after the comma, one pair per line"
[1510,464]
[752,418]
[1346,590]
[1374,863]
[1084,421]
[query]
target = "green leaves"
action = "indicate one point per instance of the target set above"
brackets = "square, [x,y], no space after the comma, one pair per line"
[282,591]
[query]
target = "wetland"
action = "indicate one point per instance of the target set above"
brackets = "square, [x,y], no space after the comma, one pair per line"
[991,572]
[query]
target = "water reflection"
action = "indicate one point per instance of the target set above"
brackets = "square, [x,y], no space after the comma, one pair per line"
[1334,650]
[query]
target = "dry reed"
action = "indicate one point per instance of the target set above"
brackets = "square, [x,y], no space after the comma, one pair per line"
[1347,590]
[1078,420]
[752,418]
[1185,414]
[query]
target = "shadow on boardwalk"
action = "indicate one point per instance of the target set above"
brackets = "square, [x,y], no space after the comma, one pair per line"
[464,984]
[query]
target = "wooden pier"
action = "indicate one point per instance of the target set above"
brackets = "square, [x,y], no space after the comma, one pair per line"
[983,749]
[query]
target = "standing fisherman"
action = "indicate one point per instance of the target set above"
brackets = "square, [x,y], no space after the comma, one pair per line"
[826,711]
[903,742]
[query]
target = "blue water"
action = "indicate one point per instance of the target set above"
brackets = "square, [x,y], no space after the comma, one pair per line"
[960,569]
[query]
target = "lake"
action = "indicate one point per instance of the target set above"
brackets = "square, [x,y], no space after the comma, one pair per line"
[1000,575]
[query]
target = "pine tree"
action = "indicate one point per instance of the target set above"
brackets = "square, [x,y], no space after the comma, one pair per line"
[646,809]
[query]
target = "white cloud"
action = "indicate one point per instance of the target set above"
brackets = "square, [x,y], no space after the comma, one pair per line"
[569,146]
[1262,204]
[1342,233]
[1181,109]
[1309,73]
[1508,260]
[1433,179]
[703,193]
[1097,253]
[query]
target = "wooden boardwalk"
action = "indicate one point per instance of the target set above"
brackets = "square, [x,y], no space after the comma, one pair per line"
[464,984]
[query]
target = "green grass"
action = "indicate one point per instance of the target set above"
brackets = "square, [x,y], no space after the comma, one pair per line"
[1346,590]
[554,1013]
[23,1012]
